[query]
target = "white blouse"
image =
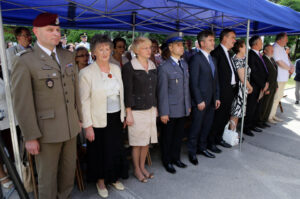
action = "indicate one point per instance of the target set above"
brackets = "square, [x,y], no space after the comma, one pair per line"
[112,89]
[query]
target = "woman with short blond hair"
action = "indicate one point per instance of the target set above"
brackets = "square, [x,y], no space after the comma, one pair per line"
[139,79]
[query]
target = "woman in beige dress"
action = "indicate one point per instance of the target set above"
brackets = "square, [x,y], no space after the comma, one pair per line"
[139,79]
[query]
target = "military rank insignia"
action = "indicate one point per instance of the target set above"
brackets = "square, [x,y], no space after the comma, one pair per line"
[49,83]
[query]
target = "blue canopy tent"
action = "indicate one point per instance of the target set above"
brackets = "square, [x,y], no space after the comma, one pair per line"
[159,16]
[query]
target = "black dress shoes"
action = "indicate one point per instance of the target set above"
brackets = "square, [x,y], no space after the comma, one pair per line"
[261,125]
[180,164]
[249,133]
[193,159]
[224,144]
[169,168]
[206,153]
[214,148]
[255,129]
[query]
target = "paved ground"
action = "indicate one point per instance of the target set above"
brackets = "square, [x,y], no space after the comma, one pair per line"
[267,167]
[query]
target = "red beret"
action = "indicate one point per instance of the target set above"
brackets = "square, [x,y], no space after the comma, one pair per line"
[46,19]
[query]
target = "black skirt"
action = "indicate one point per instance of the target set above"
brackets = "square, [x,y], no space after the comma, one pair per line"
[106,155]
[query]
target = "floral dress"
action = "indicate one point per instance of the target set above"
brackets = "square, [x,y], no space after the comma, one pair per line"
[237,105]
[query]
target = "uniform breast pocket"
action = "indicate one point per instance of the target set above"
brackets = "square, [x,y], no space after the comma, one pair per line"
[48,78]
[175,80]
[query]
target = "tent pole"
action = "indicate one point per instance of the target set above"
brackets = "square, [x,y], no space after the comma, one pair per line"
[133,24]
[245,80]
[10,111]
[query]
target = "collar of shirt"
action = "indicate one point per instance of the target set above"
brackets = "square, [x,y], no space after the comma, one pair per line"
[257,52]
[48,52]
[205,54]
[175,60]
[21,47]
[225,49]
[268,57]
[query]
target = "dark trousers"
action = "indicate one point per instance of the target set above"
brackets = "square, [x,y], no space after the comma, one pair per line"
[222,116]
[200,128]
[172,134]
[267,103]
[252,109]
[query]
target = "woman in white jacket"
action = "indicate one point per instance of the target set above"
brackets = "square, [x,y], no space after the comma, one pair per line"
[101,96]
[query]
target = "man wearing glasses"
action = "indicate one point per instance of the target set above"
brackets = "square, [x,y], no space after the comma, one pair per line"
[24,39]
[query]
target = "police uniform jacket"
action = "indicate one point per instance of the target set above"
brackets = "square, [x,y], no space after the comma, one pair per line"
[173,89]
[45,95]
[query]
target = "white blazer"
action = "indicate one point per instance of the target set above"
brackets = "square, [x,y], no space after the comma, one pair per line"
[93,96]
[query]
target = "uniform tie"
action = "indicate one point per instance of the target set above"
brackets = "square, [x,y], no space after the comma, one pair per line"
[54,58]
[180,65]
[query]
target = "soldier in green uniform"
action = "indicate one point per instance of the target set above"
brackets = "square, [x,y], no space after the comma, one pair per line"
[46,104]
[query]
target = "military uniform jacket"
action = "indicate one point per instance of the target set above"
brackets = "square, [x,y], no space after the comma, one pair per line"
[45,96]
[173,89]
[12,53]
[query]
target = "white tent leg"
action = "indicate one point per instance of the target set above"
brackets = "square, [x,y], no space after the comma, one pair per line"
[8,100]
[245,80]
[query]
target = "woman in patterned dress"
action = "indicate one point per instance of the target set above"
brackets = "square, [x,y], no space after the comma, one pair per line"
[239,62]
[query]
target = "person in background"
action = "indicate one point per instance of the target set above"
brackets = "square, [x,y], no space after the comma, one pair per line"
[297,80]
[155,55]
[24,40]
[118,57]
[140,79]
[189,52]
[174,102]
[285,68]
[103,111]
[70,47]
[81,57]
[64,41]
[84,42]
[267,100]
[239,63]
[9,44]
[205,96]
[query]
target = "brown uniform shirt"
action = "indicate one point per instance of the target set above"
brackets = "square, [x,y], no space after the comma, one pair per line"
[45,96]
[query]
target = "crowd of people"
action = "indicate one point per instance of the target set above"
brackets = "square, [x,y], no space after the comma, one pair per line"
[58,89]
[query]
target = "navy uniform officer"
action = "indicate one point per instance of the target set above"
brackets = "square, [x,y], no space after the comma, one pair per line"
[46,103]
[174,102]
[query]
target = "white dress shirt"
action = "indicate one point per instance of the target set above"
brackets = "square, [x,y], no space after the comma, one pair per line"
[233,82]
[281,55]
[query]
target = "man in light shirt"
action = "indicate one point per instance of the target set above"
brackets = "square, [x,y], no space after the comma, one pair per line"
[285,68]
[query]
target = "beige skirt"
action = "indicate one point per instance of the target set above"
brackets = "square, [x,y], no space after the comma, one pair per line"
[143,131]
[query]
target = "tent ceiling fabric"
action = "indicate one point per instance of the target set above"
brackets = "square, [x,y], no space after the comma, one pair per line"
[160,16]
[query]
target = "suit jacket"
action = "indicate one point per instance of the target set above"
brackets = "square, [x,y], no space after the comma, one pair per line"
[93,95]
[46,96]
[259,75]
[173,89]
[224,72]
[272,68]
[297,77]
[204,87]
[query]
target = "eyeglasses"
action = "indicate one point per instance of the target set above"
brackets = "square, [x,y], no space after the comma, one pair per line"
[86,55]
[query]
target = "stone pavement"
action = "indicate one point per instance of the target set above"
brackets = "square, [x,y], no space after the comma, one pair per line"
[267,167]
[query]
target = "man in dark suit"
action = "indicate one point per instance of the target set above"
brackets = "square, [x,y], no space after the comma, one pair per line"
[258,79]
[205,95]
[267,100]
[228,81]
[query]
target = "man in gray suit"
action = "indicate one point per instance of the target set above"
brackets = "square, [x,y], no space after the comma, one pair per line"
[24,39]
[174,102]
[205,96]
